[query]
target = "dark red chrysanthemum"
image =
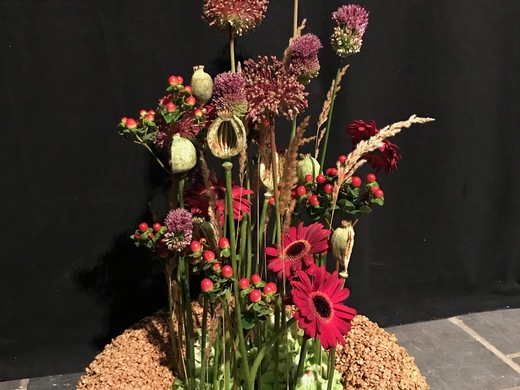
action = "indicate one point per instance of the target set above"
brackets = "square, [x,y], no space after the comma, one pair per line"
[272,90]
[298,247]
[196,199]
[320,309]
[385,157]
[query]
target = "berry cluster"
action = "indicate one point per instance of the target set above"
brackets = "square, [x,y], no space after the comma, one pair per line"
[315,193]
[151,237]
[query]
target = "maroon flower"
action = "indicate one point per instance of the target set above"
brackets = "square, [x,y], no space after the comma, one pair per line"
[272,90]
[320,309]
[229,93]
[196,199]
[385,157]
[299,245]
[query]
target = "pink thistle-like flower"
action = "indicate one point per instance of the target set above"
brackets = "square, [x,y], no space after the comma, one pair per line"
[351,22]
[229,93]
[239,16]
[320,309]
[385,157]
[298,247]
[272,90]
[179,229]
[304,57]
[196,199]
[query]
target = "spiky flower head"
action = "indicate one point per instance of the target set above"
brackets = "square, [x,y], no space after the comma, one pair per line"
[272,90]
[351,21]
[180,229]
[304,57]
[229,93]
[239,16]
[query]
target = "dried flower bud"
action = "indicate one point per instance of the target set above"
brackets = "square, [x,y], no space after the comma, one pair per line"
[342,242]
[307,166]
[266,170]
[201,84]
[183,155]
[226,136]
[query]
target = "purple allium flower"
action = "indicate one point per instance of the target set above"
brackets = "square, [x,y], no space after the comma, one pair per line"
[272,90]
[351,22]
[304,57]
[180,229]
[229,93]
[239,16]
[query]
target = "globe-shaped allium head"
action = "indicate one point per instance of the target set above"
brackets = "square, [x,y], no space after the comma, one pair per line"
[229,93]
[239,16]
[304,57]
[351,21]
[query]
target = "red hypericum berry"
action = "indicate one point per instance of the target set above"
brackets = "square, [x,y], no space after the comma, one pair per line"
[244,283]
[217,266]
[379,193]
[137,235]
[174,80]
[309,178]
[150,236]
[209,256]
[123,120]
[373,189]
[195,246]
[156,227]
[328,188]
[371,178]
[206,285]
[255,278]
[301,190]
[342,159]
[270,288]
[190,100]
[170,107]
[332,171]
[223,243]
[198,113]
[163,253]
[150,117]
[313,200]
[187,89]
[255,296]
[131,123]
[227,271]
[293,194]
[272,201]
[143,226]
[356,181]
[161,243]
[320,179]
[142,113]
[180,80]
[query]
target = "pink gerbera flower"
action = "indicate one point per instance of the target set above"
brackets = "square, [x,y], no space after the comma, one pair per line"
[298,247]
[320,309]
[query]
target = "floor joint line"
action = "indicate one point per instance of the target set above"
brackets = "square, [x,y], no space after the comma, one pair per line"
[502,356]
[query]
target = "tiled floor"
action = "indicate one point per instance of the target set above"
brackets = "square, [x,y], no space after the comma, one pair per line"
[471,352]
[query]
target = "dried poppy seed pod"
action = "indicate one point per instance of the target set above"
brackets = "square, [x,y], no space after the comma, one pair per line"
[266,170]
[183,155]
[226,136]
[307,166]
[342,242]
[201,85]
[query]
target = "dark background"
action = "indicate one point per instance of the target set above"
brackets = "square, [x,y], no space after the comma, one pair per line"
[446,242]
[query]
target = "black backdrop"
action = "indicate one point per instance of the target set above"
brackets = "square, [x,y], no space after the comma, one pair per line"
[446,242]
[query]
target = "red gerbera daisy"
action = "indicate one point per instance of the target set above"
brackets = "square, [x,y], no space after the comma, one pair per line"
[298,246]
[197,201]
[320,309]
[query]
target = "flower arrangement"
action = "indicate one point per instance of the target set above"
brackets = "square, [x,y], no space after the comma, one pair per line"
[252,301]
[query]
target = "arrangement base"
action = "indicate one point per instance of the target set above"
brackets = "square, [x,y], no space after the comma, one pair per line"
[140,359]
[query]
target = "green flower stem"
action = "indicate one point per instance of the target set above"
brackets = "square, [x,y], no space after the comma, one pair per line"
[232,50]
[274,165]
[171,313]
[203,361]
[269,344]
[331,367]
[329,118]
[293,130]
[238,300]
[153,154]
[190,338]
[301,362]
[216,357]
[260,236]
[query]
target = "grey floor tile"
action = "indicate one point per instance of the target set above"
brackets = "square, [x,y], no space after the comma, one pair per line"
[501,328]
[450,359]
[53,382]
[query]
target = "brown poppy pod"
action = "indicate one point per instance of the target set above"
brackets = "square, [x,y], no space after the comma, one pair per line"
[226,136]
[342,242]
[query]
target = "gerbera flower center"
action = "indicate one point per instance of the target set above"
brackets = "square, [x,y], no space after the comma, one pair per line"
[322,306]
[296,250]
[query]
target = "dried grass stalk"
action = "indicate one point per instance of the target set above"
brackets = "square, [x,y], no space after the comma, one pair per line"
[212,198]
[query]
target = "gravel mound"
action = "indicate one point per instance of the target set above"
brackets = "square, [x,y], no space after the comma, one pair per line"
[140,359]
